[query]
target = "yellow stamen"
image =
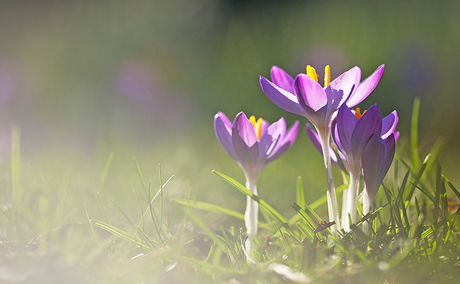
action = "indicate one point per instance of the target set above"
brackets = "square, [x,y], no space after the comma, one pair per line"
[257,125]
[327,76]
[252,119]
[358,113]
[311,72]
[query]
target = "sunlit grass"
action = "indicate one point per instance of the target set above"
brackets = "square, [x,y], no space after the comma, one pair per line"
[70,225]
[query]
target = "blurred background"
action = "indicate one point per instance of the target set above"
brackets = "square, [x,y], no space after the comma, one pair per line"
[81,79]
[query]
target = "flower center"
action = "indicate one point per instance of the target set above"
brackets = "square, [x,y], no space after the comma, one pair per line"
[311,72]
[257,125]
[358,113]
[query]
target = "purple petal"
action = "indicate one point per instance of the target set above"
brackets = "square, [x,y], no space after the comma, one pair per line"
[291,133]
[389,123]
[282,98]
[374,163]
[245,142]
[309,93]
[335,98]
[390,144]
[271,138]
[368,124]
[224,119]
[244,129]
[285,143]
[347,82]
[366,87]
[314,138]
[263,128]
[282,79]
[223,133]
[345,124]
[396,134]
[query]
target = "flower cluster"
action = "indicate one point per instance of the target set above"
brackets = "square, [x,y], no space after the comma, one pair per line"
[365,143]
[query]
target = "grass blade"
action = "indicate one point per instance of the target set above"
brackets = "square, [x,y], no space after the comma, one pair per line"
[256,198]
[300,196]
[454,189]
[418,177]
[119,233]
[414,134]
[209,207]
[106,170]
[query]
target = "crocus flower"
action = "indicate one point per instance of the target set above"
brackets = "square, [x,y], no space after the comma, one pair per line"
[253,144]
[352,132]
[304,96]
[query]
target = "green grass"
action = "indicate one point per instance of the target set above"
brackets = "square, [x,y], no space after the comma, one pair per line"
[71,227]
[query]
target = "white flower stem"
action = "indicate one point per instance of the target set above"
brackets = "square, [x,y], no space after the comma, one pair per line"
[344,206]
[368,207]
[251,216]
[331,196]
[352,199]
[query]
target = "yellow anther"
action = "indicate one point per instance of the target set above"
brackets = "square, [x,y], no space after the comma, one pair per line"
[257,125]
[358,113]
[252,119]
[311,72]
[327,76]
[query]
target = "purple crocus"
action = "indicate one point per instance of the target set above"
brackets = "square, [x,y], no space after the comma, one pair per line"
[253,144]
[351,132]
[304,96]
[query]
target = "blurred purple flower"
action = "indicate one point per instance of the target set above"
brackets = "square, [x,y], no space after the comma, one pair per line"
[253,144]
[139,81]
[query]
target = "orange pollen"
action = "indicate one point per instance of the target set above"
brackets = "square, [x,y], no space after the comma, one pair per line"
[358,113]
[257,126]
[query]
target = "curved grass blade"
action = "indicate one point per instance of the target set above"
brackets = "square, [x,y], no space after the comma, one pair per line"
[454,189]
[119,233]
[256,198]
[209,207]
[418,177]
